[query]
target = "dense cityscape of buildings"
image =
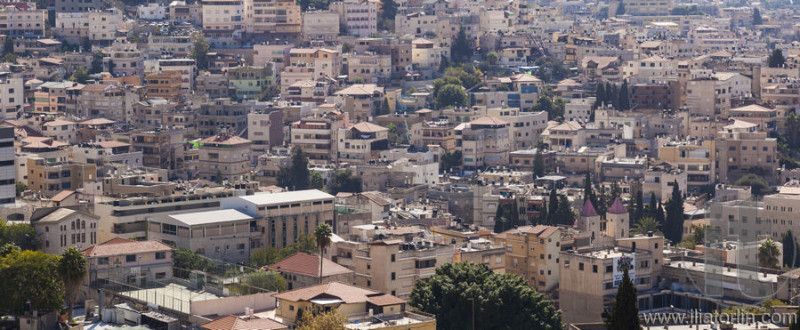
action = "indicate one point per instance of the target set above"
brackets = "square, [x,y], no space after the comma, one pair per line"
[565,142]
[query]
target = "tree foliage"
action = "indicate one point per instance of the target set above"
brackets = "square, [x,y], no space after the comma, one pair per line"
[30,276]
[22,235]
[624,315]
[768,254]
[388,12]
[501,301]
[304,243]
[507,217]
[646,225]
[72,267]
[263,281]
[620,9]
[296,176]
[776,59]
[345,181]
[539,169]
[322,235]
[451,95]
[790,250]
[185,261]
[758,186]
[332,320]
[200,49]
[461,49]
[757,19]
[450,160]
[673,226]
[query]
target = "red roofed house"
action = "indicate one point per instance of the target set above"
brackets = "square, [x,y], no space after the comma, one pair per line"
[233,322]
[135,263]
[302,270]
[359,305]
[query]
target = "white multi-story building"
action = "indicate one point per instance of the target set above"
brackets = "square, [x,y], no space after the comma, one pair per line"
[22,19]
[11,98]
[360,17]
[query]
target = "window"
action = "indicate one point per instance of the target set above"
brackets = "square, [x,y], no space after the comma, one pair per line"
[102,261]
[393,257]
[161,255]
[169,229]
[594,268]
[130,258]
[580,266]
[394,276]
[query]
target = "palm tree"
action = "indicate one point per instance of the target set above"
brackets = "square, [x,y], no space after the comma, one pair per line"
[646,225]
[72,268]
[323,236]
[768,254]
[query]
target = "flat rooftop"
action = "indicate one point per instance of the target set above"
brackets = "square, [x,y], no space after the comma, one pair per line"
[287,197]
[172,296]
[210,217]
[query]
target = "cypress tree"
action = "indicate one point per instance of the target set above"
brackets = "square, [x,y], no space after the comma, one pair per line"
[673,228]
[652,208]
[613,95]
[625,313]
[499,226]
[600,95]
[553,208]
[538,164]
[789,249]
[659,216]
[565,215]
[639,206]
[543,215]
[624,102]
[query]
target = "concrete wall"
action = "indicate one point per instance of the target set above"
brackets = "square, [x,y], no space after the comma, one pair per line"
[233,305]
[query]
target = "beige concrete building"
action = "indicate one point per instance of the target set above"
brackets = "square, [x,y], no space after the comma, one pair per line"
[224,157]
[286,215]
[362,142]
[588,279]
[695,157]
[533,253]
[277,18]
[320,25]
[483,142]
[227,235]
[121,261]
[360,101]
[741,147]
[59,229]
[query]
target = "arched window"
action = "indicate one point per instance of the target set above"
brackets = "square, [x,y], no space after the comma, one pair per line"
[72,224]
[83,224]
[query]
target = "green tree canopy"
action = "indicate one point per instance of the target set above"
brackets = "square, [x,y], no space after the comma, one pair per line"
[757,19]
[673,226]
[450,160]
[451,95]
[758,186]
[30,276]
[790,250]
[296,176]
[345,181]
[768,254]
[501,301]
[22,235]
[461,49]
[263,281]
[332,320]
[322,235]
[200,49]
[776,59]
[646,225]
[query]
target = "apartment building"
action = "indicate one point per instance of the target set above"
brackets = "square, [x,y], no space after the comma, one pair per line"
[524,127]
[224,157]
[11,96]
[122,261]
[316,137]
[106,153]
[440,133]
[660,178]
[359,17]
[50,178]
[360,101]
[320,62]
[249,82]
[77,6]
[54,96]
[186,67]
[286,215]
[160,148]
[741,147]
[166,85]
[392,265]
[179,11]
[362,142]
[533,253]
[483,142]
[99,25]
[320,25]
[107,101]
[124,59]
[696,158]
[227,235]
[264,130]
[277,54]
[59,229]
[174,45]
[765,118]
[588,279]
[367,67]
[302,270]
[777,213]
[22,19]
[223,17]
[222,114]
[278,19]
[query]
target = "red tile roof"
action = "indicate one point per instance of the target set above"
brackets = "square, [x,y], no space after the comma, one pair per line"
[348,293]
[303,263]
[116,247]
[588,209]
[617,207]
[232,322]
